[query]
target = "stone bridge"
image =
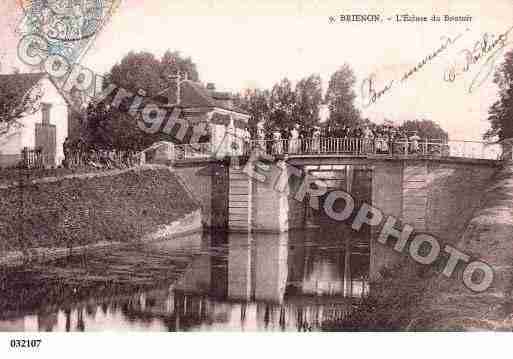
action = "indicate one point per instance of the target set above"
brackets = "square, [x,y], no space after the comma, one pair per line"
[418,186]
[433,192]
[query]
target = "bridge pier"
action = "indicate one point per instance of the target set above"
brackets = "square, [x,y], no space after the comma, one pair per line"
[240,201]
[387,195]
[270,208]
[274,209]
[415,194]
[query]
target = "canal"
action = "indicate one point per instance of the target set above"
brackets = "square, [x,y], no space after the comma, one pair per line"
[293,281]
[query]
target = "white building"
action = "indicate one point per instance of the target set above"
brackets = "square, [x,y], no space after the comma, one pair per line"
[225,121]
[46,128]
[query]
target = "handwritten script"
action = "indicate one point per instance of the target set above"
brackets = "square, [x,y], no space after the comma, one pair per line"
[490,47]
[370,94]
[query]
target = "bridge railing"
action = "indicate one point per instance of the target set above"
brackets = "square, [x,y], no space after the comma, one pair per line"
[363,147]
[475,149]
[346,146]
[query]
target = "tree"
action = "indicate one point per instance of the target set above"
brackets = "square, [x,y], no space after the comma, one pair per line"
[340,98]
[143,71]
[117,128]
[283,105]
[256,103]
[425,129]
[309,98]
[137,71]
[501,112]
[14,105]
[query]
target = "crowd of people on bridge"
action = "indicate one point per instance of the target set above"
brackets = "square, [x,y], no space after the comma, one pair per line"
[362,139]
[374,138]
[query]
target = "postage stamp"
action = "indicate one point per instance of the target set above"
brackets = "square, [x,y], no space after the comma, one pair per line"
[68,26]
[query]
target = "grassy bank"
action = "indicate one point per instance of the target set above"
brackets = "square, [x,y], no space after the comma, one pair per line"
[420,298]
[488,238]
[393,302]
[81,211]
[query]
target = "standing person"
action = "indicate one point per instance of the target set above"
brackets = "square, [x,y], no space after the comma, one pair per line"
[367,137]
[334,131]
[285,136]
[378,143]
[391,140]
[232,146]
[385,144]
[277,142]
[81,152]
[344,131]
[302,137]
[414,139]
[247,141]
[294,140]
[404,139]
[66,148]
[261,137]
[269,144]
[316,139]
[356,135]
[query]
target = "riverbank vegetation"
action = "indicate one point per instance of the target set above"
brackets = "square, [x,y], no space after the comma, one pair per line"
[85,210]
[392,304]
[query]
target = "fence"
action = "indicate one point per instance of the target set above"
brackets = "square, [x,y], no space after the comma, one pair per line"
[476,149]
[32,158]
[365,147]
[350,147]
[102,159]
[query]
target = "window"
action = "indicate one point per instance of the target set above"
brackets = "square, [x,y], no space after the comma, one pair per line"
[45,109]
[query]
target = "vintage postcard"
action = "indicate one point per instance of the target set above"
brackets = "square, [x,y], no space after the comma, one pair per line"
[255,166]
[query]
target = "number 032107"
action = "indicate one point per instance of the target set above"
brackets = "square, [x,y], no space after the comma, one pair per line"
[25,343]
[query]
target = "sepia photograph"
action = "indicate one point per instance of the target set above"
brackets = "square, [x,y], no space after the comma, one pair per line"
[254,167]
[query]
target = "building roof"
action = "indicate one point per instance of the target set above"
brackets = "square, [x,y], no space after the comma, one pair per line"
[194,94]
[18,84]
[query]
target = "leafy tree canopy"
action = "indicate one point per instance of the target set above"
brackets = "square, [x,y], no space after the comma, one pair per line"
[143,71]
[17,101]
[425,129]
[309,98]
[340,98]
[501,112]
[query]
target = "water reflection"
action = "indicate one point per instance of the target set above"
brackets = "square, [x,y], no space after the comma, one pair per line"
[292,281]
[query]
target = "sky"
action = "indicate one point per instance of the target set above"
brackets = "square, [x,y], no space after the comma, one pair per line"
[239,44]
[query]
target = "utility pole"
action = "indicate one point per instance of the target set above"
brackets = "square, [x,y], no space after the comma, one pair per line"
[179,78]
